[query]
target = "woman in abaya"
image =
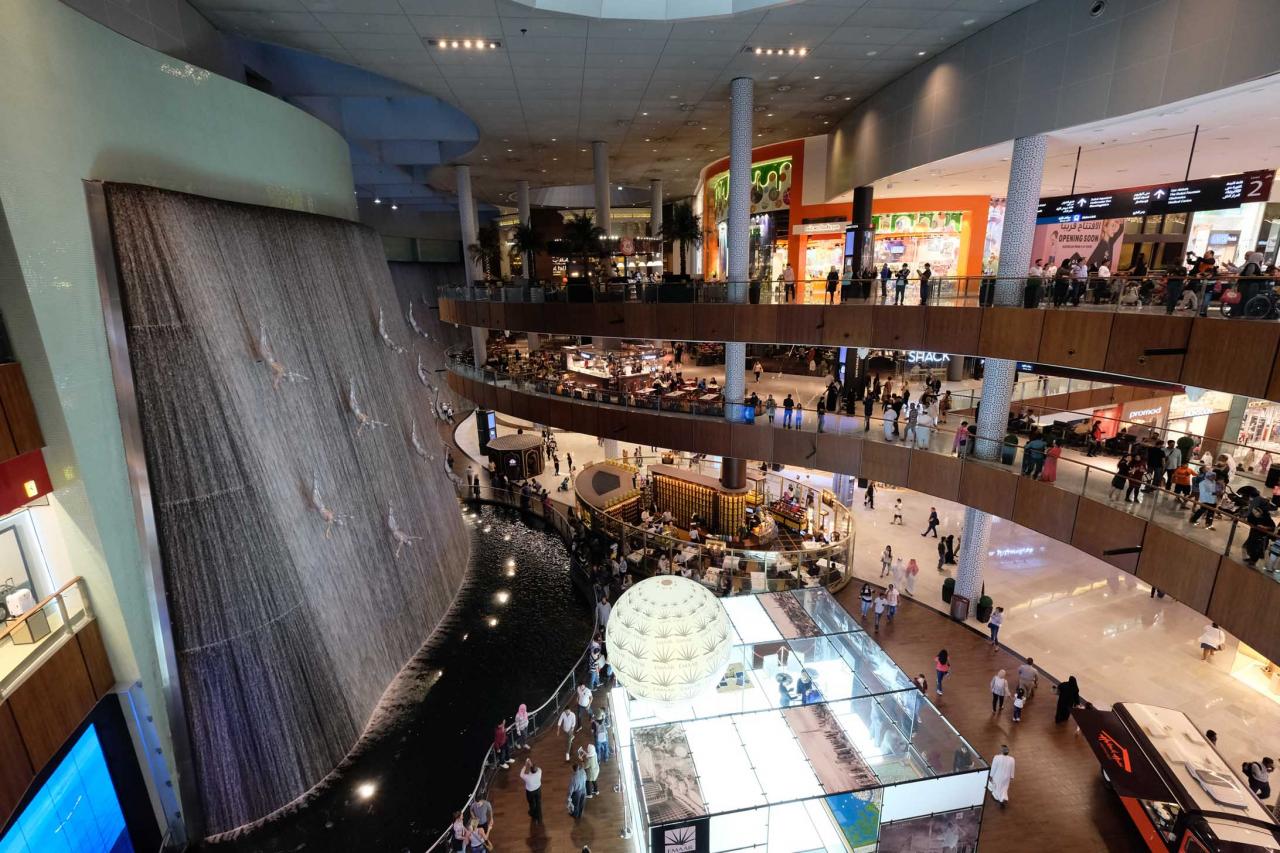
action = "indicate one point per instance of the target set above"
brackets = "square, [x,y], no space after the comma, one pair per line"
[1068,698]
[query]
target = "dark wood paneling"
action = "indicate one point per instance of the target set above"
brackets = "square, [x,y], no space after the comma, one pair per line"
[52,701]
[1133,335]
[953,330]
[1045,508]
[751,442]
[847,325]
[1247,603]
[935,474]
[713,436]
[988,489]
[756,324]
[614,423]
[502,399]
[792,447]
[446,307]
[1236,356]
[498,315]
[885,463]
[16,772]
[898,327]
[1075,339]
[584,419]
[1100,527]
[800,323]
[559,414]
[839,453]
[1180,567]
[1010,332]
[713,322]
[522,406]
[610,319]
[96,662]
[1079,400]
[579,319]
[641,322]
[675,322]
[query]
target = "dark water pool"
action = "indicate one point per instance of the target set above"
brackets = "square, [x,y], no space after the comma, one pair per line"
[423,764]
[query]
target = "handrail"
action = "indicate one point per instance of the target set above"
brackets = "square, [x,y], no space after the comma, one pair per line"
[967,451]
[1097,292]
[441,842]
[44,602]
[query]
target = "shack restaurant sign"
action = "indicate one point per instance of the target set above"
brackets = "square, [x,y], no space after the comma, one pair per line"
[917,357]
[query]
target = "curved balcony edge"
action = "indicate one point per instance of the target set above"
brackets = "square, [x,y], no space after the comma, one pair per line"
[1180,349]
[1242,599]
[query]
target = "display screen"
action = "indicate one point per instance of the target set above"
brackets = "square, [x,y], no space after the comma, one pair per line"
[76,810]
[1218,193]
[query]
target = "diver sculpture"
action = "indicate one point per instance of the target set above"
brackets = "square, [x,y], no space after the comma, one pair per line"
[361,416]
[279,373]
[386,338]
[326,514]
[398,536]
[418,447]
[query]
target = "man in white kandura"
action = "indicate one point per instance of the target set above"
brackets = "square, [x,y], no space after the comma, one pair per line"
[1001,776]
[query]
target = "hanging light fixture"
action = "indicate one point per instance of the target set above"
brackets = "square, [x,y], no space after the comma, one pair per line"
[669,639]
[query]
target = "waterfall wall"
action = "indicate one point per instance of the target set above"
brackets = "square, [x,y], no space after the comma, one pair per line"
[310,543]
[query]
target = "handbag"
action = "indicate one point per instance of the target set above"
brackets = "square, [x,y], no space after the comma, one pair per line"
[1231,297]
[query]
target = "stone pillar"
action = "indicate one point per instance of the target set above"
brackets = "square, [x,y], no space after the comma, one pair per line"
[741,94]
[1021,202]
[600,160]
[467,213]
[655,212]
[955,368]
[522,201]
[611,449]
[861,251]
[973,555]
[479,345]
[534,340]
[1235,418]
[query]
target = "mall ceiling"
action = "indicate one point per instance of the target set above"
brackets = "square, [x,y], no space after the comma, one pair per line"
[657,91]
[1233,130]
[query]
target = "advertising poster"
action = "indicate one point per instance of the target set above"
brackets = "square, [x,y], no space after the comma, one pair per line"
[954,831]
[668,775]
[1093,241]
[858,816]
[789,615]
[770,189]
[693,836]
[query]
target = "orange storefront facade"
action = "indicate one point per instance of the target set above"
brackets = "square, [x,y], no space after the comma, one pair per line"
[948,231]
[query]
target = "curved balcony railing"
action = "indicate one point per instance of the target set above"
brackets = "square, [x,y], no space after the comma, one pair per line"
[1148,293]
[728,570]
[25,637]
[1155,503]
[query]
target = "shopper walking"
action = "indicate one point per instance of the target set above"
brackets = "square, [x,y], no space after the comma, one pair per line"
[577,791]
[600,728]
[1068,698]
[960,445]
[799,414]
[1212,639]
[770,409]
[933,523]
[477,837]
[882,604]
[1019,702]
[788,405]
[568,724]
[925,275]
[866,597]
[757,369]
[1002,768]
[460,832]
[999,690]
[909,577]
[941,667]
[531,775]
[886,560]
[891,598]
[897,512]
[1259,773]
[1028,678]
[869,497]
[591,766]
[993,625]
[584,706]
[1207,500]
[501,745]
[482,811]
[833,281]
[900,284]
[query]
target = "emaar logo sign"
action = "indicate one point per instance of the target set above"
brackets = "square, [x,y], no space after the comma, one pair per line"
[682,839]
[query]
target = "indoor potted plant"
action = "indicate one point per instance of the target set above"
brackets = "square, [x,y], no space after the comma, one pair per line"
[985,606]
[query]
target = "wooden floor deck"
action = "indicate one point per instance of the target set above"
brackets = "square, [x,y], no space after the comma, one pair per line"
[1056,801]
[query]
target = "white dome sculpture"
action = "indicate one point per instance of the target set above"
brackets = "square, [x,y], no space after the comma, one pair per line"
[669,639]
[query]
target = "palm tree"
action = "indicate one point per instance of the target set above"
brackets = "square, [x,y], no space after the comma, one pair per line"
[685,226]
[485,251]
[526,242]
[582,238]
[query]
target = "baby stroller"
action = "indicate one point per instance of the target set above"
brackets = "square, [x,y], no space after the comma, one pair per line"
[564,485]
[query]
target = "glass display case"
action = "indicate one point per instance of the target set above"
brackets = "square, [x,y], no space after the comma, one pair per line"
[813,739]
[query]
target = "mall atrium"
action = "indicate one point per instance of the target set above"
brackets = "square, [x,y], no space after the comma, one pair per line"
[546,426]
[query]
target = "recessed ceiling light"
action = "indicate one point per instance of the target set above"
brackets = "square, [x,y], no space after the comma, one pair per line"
[644,114]
[817,77]
[395,206]
[553,139]
[920,53]
[377,200]
[872,52]
[848,97]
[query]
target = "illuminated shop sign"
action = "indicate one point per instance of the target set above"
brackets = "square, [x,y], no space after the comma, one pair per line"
[820,228]
[917,357]
[1219,193]
[1144,413]
[770,188]
[927,222]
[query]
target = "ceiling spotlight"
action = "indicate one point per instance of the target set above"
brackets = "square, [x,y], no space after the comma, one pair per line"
[848,97]
[467,44]
[872,52]
[365,790]
[920,53]
[769,52]
[759,51]
[493,45]
[791,52]
[395,206]
[455,44]
[817,77]
[804,51]
[377,200]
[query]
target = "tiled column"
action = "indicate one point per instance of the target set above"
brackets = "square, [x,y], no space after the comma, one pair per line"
[655,209]
[1026,169]
[973,554]
[600,160]
[467,213]
[741,93]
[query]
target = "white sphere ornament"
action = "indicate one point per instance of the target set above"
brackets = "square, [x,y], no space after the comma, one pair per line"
[669,639]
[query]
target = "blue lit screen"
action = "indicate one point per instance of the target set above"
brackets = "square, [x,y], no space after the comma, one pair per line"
[75,811]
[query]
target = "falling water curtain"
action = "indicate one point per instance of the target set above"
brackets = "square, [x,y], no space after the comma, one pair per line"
[309,535]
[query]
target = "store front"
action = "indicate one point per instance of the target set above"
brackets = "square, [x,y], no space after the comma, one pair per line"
[792,225]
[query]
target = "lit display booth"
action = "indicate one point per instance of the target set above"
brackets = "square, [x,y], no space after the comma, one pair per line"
[813,739]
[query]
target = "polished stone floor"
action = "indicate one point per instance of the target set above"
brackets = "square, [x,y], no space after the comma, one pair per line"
[1074,614]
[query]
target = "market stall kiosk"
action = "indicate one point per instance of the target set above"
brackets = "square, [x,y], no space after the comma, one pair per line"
[1175,786]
